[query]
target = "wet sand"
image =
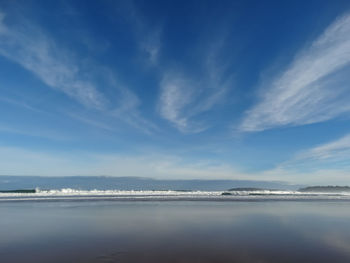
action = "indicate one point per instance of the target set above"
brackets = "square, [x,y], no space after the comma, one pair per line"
[178,231]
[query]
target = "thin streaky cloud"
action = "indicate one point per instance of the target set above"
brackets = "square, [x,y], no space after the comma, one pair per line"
[90,121]
[148,37]
[3,29]
[331,157]
[128,108]
[184,97]
[325,176]
[21,104]
[218,83]
[27,45]
[39,133]
[312,89]
[134,119]
[335,150]
[176,94]
[152,45]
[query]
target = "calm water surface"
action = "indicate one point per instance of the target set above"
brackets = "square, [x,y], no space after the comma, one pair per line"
[177,231]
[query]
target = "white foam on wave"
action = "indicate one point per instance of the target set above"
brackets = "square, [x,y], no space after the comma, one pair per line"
[95,192]
[75,194]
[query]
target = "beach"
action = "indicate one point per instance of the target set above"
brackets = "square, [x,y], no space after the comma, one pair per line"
[175,231]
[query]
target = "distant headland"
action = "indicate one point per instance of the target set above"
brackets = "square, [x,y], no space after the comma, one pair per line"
[328,188]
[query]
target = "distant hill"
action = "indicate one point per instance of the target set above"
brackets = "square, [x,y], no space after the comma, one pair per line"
[328,188]
[133,183]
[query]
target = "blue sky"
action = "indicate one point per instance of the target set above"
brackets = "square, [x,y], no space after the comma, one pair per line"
[176,89]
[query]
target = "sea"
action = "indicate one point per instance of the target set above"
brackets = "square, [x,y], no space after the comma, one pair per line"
[76,225]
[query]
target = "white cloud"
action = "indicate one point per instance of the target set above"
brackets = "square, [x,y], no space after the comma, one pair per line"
[19,103]
[128,112]
[146,34]
[188,96]
[314,88]
[151,45]
[91,121]
[28,46]
[332,151]
[176,94]
[182,100]
[184,97]
[325,164]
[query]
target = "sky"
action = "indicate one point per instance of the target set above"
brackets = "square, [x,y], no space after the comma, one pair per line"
[252,90]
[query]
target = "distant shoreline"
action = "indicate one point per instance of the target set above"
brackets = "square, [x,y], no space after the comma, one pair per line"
[19,191]
[328,189]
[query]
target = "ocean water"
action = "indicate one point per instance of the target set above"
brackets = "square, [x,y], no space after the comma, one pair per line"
[67,194]
[84,226]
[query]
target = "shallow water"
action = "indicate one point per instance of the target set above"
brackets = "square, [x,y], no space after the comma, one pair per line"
[175,231]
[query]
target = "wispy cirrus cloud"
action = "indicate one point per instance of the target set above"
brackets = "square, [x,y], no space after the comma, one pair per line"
[2,27]
[27,45]
[176,95]
[184,97]
[327,163]
[40,133]
[151,45]
[147,36]
[314,88]
[19,103]
[332,151]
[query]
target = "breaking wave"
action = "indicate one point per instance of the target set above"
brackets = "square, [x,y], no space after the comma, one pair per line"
[76,194]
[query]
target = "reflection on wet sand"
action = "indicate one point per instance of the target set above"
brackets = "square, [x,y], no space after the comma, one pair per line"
[175,232]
